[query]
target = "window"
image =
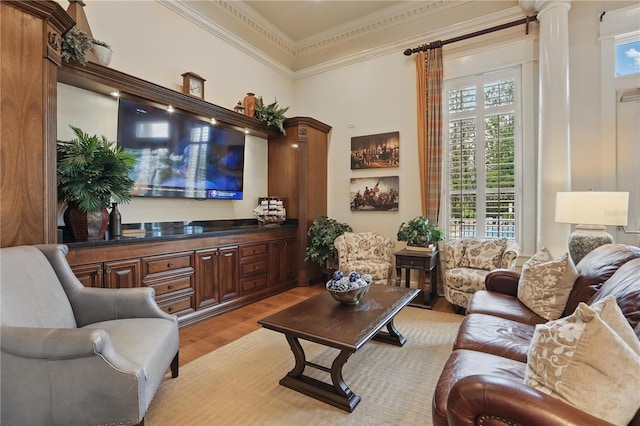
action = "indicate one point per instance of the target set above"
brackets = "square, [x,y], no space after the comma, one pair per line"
[627,57]
[481,124]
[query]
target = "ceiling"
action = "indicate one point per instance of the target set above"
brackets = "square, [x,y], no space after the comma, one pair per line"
[303,19]
[302,34]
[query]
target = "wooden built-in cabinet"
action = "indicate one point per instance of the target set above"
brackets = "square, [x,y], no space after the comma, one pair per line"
[194,278]
[298,175]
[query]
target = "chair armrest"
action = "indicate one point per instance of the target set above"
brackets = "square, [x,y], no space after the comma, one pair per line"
[53,343]
[510,255]
[91,305]
[511,402]
[503,281]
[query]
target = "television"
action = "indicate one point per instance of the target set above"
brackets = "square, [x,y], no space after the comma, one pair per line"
[180,155]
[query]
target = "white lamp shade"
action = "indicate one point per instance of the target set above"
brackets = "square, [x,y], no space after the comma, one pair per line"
[592,208]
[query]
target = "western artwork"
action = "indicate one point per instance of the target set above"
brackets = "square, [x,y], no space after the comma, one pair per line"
[375,151]
[375,193]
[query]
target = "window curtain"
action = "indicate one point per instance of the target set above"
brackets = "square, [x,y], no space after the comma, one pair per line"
[429,74]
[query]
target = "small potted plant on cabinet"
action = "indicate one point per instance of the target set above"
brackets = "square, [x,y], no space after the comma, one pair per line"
[271,115]
[322,234]
[420,234]
[102,51]
[90,172]
[75,45]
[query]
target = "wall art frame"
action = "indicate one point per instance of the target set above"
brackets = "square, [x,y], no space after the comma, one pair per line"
[380,193]
[381,150]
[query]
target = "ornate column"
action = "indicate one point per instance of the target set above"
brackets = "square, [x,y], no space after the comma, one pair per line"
[554,160]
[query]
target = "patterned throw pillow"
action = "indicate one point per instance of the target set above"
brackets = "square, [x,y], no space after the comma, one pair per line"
[590,359]
[545,284]
[484,253]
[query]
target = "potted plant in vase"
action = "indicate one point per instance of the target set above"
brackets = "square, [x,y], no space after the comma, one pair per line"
[102,51]
[271,115]
[420,234]
[322,234]
[90,172]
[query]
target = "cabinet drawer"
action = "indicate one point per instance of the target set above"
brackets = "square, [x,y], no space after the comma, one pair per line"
[250,268]
[253,250]
[162,264]
[254,284]
[176,306]
[172,284]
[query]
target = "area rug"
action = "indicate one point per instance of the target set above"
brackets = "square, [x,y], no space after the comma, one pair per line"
[238,383]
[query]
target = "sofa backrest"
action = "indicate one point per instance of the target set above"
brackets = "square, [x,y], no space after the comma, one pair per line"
[596,268]
[354,246]
[32,295]
[624,285]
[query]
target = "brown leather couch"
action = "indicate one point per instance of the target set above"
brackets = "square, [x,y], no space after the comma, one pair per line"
[482,383]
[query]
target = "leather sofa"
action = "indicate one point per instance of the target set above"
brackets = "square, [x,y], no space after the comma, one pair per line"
[73,355]
[483,382]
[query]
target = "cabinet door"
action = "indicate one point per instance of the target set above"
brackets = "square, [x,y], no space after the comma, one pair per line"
[122,274]
[206,272]
[228,272]
[89,275]
[282,262]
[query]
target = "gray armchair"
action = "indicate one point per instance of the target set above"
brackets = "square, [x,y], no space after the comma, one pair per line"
[75,355]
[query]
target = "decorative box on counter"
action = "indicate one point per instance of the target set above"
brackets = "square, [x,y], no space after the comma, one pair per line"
[270,211]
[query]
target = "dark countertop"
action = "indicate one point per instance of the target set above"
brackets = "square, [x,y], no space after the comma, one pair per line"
[164,231]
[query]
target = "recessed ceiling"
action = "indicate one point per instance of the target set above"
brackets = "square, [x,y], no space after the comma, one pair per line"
[303,19]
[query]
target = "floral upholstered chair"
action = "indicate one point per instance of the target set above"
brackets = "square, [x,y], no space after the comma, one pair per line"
[365,253]
[469,261]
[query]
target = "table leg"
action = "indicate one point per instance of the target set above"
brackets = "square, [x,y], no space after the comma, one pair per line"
[338,394]
[392,335]
[398,276]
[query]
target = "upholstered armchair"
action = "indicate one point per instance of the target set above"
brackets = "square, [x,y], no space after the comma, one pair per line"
[469,261]
[73,355]
[365,253]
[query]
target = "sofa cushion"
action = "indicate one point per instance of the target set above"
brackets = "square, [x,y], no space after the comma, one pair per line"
[592,349]
[596,268]
[495,335]
[484,253]
[545,285]
[503,306]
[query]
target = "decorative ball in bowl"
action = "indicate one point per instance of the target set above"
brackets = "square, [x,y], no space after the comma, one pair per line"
[349,289]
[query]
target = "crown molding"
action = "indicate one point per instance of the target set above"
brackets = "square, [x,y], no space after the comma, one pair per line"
[399,46]
[194,16]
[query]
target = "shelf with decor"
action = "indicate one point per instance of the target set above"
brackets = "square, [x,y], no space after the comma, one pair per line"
[106,80]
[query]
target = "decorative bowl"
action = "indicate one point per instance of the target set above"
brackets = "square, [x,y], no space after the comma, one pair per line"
[350,297]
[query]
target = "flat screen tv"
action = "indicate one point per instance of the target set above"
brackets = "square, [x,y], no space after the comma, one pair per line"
[179,155]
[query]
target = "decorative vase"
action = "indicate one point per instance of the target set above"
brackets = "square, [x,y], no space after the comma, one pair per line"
[250,104]
[115,222]
[103,54]
[90,226]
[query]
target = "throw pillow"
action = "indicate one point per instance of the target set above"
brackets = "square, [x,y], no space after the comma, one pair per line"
[545,285]
[485,253]
[590,359]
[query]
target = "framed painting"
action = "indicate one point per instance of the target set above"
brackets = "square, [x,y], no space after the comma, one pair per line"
[375,151]
[375,193]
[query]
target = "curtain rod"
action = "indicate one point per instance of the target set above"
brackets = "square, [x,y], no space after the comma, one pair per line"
[425,47]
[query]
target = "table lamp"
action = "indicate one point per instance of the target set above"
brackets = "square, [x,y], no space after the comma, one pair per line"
[591,211]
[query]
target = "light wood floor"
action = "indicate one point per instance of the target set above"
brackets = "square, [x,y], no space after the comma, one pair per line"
[201,338]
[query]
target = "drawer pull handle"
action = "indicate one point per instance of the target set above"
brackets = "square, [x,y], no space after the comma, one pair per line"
[170,309]
[170,287]
[170,265]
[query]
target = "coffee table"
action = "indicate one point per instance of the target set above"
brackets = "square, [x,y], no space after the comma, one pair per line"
[323,320]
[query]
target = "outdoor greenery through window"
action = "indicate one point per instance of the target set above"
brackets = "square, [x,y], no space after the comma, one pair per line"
[480,141]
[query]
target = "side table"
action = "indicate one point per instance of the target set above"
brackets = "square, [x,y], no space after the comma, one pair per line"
[418,260]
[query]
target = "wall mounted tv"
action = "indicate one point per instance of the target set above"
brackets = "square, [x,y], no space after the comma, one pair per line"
[179,155]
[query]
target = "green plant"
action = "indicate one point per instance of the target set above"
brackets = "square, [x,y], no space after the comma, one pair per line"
[101,43]
[420,232]
[322,233]
[75,44]
[272,114]
[90,172]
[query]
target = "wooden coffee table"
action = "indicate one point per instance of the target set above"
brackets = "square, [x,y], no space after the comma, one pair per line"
[322,320]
